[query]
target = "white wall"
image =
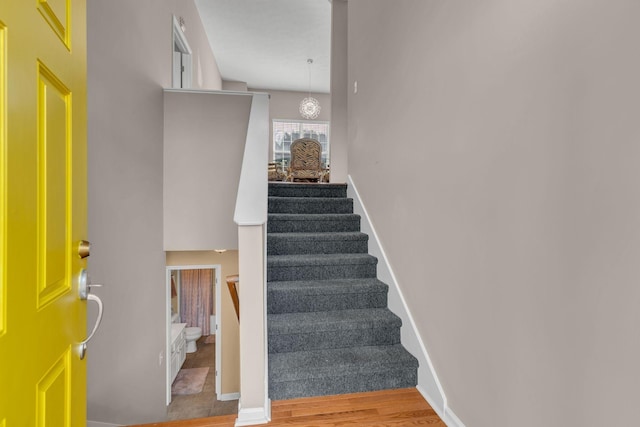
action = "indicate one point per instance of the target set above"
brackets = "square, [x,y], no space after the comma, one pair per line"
[204,139]
[494,145]
[129,62]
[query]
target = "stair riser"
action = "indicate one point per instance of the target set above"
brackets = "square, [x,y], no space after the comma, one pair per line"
[286,302]
[280,190]
[321,272]
[312,226]
[310,206]
[343,382]
[333,339]
[285,246]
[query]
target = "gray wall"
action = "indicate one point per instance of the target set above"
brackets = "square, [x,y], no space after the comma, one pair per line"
[204,139]
[129,62]
[234,86]
[339,90]
[495,146]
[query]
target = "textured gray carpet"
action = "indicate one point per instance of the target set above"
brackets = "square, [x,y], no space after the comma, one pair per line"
[330,331]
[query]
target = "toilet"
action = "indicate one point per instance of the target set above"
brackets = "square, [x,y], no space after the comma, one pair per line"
[192,335]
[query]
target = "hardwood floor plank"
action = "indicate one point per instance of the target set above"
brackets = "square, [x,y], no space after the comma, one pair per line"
[307,405]
[221,421]
[391,408]
[387,408]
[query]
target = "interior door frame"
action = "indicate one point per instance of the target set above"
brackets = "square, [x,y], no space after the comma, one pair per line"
[218,331]
[179,40]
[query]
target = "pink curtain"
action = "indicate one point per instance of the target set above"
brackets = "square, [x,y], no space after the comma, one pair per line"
[196,297]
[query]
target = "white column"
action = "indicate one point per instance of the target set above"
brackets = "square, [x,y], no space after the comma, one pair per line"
[254,406]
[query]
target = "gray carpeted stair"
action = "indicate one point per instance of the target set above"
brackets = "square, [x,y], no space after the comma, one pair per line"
[325,295]
[339,371]
[320,266]
[317,243]
[308,190]
[329,329]
[312,223]
[311,205]
[332,329]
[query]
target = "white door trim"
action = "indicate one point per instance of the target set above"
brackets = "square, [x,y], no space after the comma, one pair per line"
[181,45]
[218,333]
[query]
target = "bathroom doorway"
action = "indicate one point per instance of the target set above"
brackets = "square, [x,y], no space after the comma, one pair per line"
[176,311]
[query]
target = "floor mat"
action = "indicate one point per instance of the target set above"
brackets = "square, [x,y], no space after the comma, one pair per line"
[189,381]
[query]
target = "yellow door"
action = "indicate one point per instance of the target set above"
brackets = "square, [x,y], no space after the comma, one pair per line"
[42,212]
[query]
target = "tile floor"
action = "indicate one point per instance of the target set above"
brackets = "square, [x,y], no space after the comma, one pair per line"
[204,404]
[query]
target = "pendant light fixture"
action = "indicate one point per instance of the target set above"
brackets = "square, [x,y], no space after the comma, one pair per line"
[309,106]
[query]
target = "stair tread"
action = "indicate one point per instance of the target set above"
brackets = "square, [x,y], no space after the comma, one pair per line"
[319,259]
[307,185]
[322,295]
[312,222]
[310,205]
[312,217]
[331,286]
[338,320]
[301,365]
[316,242]
[314,236]
[307,190]
[299,199]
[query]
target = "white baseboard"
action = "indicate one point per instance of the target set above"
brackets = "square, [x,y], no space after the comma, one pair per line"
[445,414]
[252,416]
[451,420]
[439,409]
[98,424]
[428,383]
[229,396]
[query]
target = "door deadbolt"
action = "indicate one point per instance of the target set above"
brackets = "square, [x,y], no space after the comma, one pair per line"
[84,249]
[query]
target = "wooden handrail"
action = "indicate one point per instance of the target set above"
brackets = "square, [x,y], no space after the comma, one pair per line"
[232,283]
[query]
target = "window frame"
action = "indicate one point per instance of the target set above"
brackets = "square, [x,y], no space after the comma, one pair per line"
[326,156]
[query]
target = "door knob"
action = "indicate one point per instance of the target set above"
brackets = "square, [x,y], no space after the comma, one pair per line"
[83,344]
[84,249]
[84,288]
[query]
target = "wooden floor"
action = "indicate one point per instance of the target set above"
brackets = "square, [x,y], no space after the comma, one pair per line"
[404,407]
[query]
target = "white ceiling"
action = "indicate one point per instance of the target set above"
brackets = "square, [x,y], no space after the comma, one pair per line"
[266,43]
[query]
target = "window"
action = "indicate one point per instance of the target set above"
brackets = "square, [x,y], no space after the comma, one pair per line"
[287,131]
